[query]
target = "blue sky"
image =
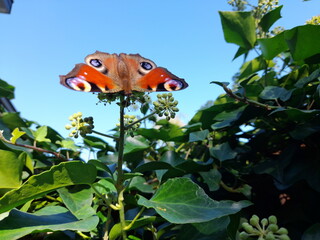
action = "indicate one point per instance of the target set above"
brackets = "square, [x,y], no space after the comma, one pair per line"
[41,40]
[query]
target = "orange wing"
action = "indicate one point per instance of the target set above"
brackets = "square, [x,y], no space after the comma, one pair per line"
[159,80]
[87,79]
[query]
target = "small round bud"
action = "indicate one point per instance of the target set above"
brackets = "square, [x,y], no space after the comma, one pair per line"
[73,124]
[86,119]
[71,118]
[283,237]
[169,94]
[270,236]
[247,227]
[272,219]
[282,230]
[166,114]
[171,99]
[254,220]
[74,131]
[79,114]
[273,227]
[70,135]
[243,235]
[264,222]
[68,127]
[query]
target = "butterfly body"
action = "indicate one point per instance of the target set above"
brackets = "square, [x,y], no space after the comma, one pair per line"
[111,73]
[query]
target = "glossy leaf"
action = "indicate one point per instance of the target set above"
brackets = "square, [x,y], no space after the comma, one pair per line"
[19,224]
[239,28]
[78,200]
[212,179]
[16,134]
[181,201]
[254,65]
[134,144]
[40,134]
[271,47]
[223,152]
[275,92]
[10,170]
[303,43]
[198,136]
[63,175]
[270,18]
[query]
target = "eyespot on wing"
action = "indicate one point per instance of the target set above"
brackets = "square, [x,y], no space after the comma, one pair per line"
[87,79]
[160,79]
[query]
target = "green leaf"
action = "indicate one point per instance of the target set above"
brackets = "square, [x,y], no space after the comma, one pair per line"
[214,229]
[239,28]
[68,144]
[198,136]
[62,175]
[19,224]
[303,43]
[105,186]
[270,18]
[10,170]
[312,233]
[227,118]
[254,65]
[116,231]
[139,183]
[212,179]
[78,200]
[271,47]
[275,92]
[13,120]
[40,134]
[134,144]
[223,152]
[181,201]
[15,135]
[6,90]
[303,81]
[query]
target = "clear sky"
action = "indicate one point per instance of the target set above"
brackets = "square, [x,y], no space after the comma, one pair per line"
[41,40]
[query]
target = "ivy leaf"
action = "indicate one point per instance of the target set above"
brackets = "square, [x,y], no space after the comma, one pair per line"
[181,201]
[271,47]
[312,233]
[223,152]
[62,175]
[19,224]
[16,134]
[275,92]
[198,136]
[270,18]
[239,28]
[40,134]
[10,170]
[212,179]
[68,144]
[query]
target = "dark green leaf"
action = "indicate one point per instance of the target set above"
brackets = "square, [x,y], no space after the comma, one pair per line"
[271,47]
[78,200]
[303,81]
[181,201]
[270,18]
[212,179]
[303,43]
[312,233]
[139,183]
[239,28]
[134,144]
[254,65]
[62,175]
[223,152]
[6,90]
[19,224]
[275,92]
[226,119]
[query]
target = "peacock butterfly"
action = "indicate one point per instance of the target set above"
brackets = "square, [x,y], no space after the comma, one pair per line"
[112,73]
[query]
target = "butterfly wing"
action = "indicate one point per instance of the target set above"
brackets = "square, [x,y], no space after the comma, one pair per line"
[159,80]
[87,79]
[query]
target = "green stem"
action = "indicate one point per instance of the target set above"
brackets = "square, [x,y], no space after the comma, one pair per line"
[140,120]
[135,219]
[120,178]
[105,135]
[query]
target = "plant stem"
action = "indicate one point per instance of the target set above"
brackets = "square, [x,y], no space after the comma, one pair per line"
[135,219]
[141,119]
[105,135]
[120,179]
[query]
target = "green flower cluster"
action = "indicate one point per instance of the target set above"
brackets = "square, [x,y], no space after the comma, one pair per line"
[166,105]
[128,121]
[81,126]
[266,229]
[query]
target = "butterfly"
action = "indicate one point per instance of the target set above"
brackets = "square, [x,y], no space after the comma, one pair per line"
[113,73]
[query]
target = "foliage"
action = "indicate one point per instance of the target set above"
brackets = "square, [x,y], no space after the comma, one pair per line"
[254,152]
